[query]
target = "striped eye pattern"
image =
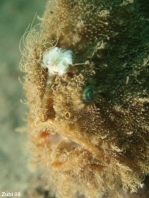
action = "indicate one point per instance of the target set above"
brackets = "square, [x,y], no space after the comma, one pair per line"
[89,94]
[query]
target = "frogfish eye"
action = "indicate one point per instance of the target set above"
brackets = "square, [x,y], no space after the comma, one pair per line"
[89,94]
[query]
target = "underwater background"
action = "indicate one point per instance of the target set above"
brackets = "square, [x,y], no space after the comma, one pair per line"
[15,174]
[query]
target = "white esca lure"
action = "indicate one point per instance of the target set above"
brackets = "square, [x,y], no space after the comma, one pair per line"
[57,61]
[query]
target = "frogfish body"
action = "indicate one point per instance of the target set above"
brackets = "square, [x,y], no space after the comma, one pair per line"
[87,87]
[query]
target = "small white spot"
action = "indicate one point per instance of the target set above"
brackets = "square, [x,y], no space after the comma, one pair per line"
[127,80]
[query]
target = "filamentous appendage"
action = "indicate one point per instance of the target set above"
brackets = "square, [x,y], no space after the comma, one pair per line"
[57,61]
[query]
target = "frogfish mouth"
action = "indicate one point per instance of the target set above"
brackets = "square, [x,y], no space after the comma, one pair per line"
[86,81]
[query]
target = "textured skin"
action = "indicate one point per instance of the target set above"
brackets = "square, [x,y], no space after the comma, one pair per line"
[99,148]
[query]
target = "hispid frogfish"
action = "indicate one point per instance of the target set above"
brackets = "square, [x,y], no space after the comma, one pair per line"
[86,70]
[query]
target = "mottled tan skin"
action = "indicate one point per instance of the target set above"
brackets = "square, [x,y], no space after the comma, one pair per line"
[105,152]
